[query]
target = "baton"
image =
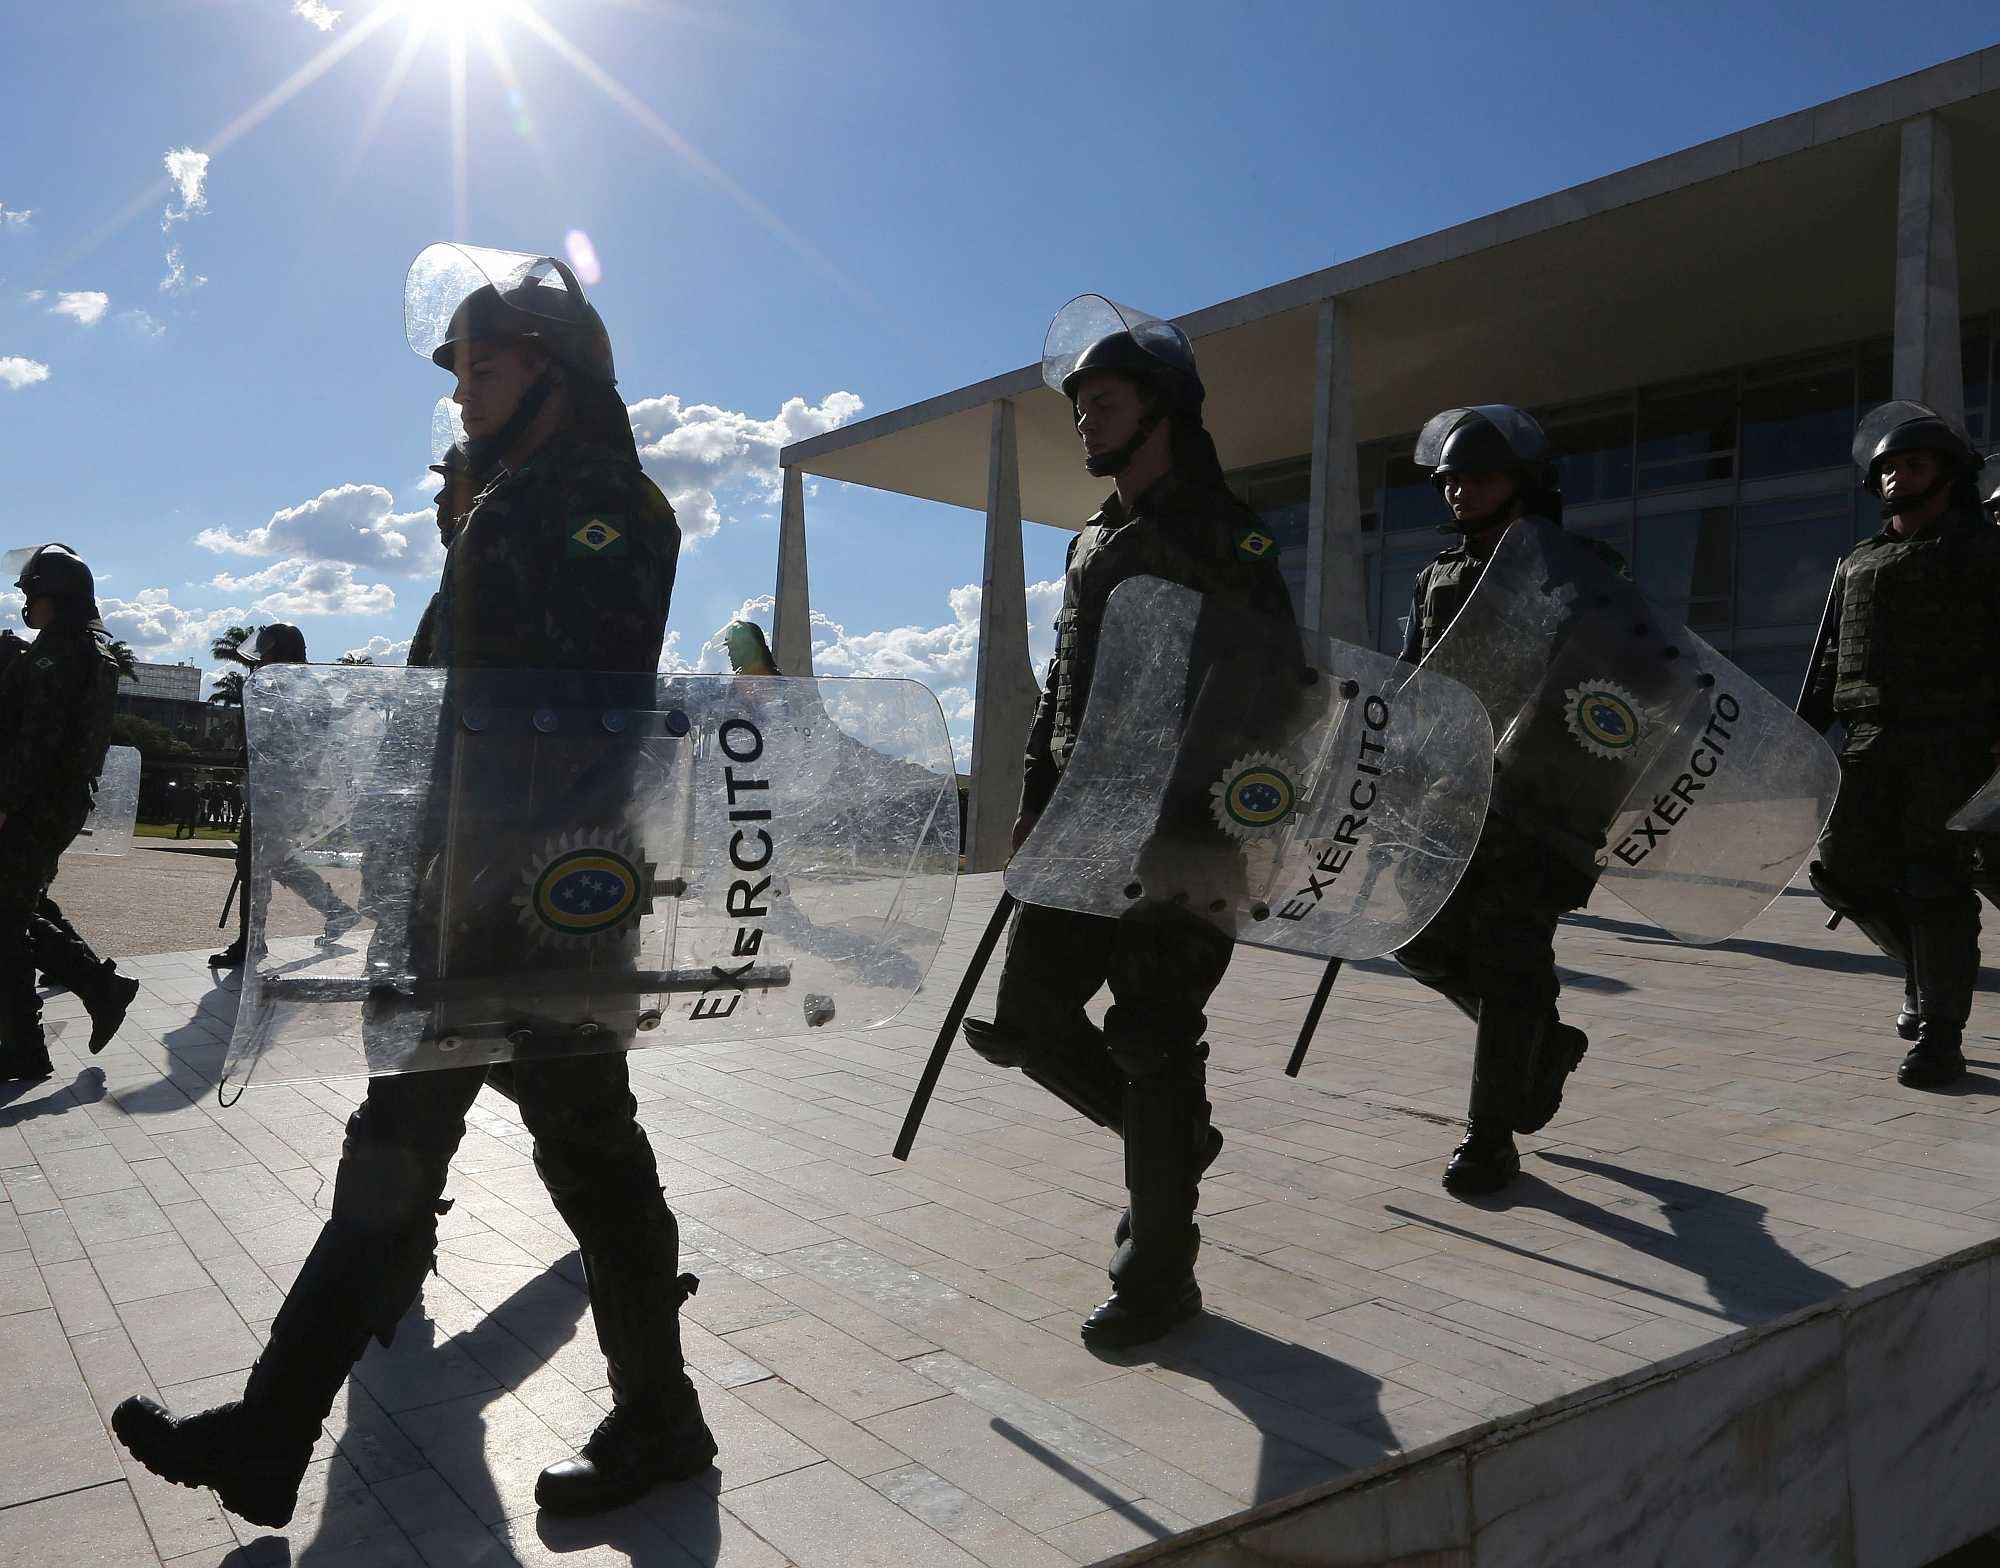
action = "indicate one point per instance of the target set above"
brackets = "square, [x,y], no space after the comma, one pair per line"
[235,882]
[954,1016]
[1312,1017]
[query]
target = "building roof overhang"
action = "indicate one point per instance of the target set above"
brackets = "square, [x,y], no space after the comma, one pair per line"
[1772,241]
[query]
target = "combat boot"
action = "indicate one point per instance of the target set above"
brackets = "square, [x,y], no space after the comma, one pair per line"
[94,981]
[1550,1051]
[655,1432]
[1071,1063]
[231,957]
[252,1466]
[1945,946]
[1484,1161]
[1936,1061]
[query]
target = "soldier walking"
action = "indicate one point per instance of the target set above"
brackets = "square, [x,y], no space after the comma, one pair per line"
[1137,397]
[1909,662]
[536,581]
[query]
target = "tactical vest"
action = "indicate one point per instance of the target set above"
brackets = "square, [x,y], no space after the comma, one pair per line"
[1918,641]
[1188,536]
[1447,583]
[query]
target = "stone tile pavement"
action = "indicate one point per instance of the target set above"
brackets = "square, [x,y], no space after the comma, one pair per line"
[888,1352]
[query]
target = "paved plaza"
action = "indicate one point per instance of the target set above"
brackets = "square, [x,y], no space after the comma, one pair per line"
[887,1352]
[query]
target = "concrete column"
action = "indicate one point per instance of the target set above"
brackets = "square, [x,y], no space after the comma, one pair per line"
[1927,366]
[791,621]
[1336,580]
[1006,692]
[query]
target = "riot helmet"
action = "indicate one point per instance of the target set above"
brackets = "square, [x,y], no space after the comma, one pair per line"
[1906,426]
[458,294]
[1093,333]
[1492,438]
[279,643]
[57,572]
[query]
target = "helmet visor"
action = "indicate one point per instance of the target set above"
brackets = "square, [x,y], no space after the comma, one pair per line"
[443,277]
[1882,422]
[1524,437]
[447,430]
[1091,318]
[15,562]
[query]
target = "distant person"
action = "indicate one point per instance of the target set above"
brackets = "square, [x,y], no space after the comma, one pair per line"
[1909,662]
[187,812]
[281,643]
[56,702]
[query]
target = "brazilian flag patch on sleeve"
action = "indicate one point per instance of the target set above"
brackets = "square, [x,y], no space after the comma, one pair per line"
[1253,545]
[596,536]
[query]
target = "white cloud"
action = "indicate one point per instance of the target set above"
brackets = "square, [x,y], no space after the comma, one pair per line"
[155,626]
[178,279]
[703,457]
[17,372]
[14,217]
[144,325]
[382,650]
[317,12]
[188,170]
[33,296]
[357,524]
[294,587]
[86,307]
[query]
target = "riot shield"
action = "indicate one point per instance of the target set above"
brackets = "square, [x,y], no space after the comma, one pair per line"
[549,864]
[114,809]
[1980,814]
[1323,805]
[1630,748]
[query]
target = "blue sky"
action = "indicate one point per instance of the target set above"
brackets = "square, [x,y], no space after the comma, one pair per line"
[803,212]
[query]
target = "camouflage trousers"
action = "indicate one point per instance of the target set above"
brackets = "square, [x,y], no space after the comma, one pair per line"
[31,846]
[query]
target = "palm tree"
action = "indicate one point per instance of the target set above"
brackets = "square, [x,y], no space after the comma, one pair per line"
[354,658]
[124,658]
[228,691]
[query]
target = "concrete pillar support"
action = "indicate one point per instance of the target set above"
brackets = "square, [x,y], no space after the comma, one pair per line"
[791,620]
[1336,582]
[1006,691]
[1927,365]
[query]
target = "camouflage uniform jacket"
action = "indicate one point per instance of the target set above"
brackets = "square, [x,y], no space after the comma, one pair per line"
[56,702]
[1443,587]
[564,563]
[1202,539]
[1913,635]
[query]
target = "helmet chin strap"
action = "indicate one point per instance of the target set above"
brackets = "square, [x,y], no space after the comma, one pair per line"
[1108,465]
[482,452]
[1944,481]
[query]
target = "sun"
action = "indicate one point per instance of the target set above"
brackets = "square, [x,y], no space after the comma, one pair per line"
[453,16]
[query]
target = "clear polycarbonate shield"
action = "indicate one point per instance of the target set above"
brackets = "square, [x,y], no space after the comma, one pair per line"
[1989,481]
[443,276]
[501,866]
[1628,746]
[1980,814]
[114,809]
[1324,805]
[1091,318]
[447,429]
[15,562]
[1524,437]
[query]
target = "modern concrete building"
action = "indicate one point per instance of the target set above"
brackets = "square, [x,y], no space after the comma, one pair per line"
[1699,333]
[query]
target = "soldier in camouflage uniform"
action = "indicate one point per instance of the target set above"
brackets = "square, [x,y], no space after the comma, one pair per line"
[566,562]
[56,700]
[1491,950]
[457,486]
[1137,404]
[1909,662]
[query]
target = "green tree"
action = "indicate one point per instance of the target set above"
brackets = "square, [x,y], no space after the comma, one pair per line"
[123,656]
[228,691]
[354,658]
[152,740]
[229,646]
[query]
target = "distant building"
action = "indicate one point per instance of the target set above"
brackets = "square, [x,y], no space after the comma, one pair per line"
[1700,334]
[173,682]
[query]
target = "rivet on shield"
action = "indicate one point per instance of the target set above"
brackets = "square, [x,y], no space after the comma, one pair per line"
[677,723]
[1133,890]
[648,1021]
[1350,688]
[545,720]
[614,721]
[1670,652]
[587,1030]
[449,1042]
[1216,906]
[475,719]
[1260,911]
[521,1037]
[1704,680]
